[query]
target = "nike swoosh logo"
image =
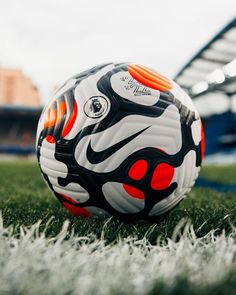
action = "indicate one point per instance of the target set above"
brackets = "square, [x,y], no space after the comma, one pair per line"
[98,157]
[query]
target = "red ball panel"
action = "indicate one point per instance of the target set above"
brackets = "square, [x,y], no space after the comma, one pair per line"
[73,209]
[138,170]
[162,176]
[133,191]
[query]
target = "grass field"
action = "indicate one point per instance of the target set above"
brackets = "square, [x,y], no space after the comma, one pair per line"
[42,247]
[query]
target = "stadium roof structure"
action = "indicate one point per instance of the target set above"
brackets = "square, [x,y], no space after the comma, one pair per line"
[210,79]
[213,68]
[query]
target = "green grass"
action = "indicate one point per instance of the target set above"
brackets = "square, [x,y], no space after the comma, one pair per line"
[111,255]
[220,173]
[25,199]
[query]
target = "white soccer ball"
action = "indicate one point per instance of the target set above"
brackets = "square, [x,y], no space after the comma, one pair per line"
[120,139]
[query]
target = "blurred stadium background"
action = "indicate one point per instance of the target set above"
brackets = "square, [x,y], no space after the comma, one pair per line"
[19,113]
[209,77]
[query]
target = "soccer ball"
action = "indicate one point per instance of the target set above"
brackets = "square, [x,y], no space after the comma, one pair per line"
[120,139]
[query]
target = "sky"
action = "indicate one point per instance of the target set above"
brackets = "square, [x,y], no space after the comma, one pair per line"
[52,40]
